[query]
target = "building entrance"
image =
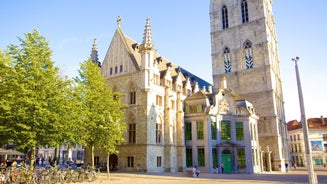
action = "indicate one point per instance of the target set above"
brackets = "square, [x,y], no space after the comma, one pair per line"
[226,158]
[113,162]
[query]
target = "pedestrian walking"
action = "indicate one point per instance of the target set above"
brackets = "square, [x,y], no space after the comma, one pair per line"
[222,167]
[217,169]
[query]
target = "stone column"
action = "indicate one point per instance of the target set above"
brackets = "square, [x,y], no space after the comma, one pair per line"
[235,164]
[268,159]
[219,159]
[261,159]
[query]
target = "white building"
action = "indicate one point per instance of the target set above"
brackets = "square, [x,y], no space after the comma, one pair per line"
[221,128]
[318,141]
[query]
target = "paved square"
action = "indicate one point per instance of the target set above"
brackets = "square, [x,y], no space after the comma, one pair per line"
[298,176]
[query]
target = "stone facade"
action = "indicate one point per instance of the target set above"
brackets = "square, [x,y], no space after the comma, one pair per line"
[154,89]
[158,93]
[155,92]
[244,50]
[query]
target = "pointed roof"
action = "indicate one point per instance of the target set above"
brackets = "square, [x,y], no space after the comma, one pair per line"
[147,37]
[313,123]
[198,95]
[293,125]
[130,44]
[133,48]
[194,79]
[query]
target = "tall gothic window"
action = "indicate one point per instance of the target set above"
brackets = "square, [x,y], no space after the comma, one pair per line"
[227,61]
[245,12]
[248,55]
[158,132]
[131,133]
[225,17]
[131,130]
[132,95]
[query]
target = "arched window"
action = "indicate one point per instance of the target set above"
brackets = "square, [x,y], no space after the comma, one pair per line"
[227,61]
[245,13]
[131,129]
[248,55]
[158,131]
[225,17]
[132,95]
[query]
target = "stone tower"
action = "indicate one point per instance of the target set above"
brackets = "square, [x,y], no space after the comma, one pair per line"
[244,50]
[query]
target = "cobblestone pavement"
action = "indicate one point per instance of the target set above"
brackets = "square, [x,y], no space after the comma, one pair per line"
[298,176]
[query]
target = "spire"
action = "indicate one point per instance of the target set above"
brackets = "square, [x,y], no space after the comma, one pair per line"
[147,38]
[94,53]
[118,21]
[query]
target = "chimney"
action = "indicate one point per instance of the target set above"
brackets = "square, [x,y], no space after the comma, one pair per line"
[322,120]
[210,89]
[196,87]
[223,82]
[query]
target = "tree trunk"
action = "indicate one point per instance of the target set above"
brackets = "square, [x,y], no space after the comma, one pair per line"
[108,168]
[55,156]
[32,159]
[92,156]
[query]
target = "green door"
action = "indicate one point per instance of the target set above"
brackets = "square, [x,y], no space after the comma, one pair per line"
[227,160]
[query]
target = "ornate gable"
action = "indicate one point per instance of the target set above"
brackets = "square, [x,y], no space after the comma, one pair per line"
[227,144]
[122,56]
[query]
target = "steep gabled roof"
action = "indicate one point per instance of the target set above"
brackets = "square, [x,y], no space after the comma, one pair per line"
[193,78]
[131,46]
[198,95]
[313,123]
[317,123]
[293,125]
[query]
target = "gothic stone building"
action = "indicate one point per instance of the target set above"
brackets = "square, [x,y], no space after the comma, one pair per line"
[155,92]
[154,89]
[244,50]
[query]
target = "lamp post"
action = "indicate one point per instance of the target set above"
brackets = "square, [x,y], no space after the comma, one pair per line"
[312,176]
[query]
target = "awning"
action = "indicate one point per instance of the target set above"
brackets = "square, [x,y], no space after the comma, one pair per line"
[10,152]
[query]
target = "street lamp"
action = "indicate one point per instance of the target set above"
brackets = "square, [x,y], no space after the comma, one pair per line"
[312,176]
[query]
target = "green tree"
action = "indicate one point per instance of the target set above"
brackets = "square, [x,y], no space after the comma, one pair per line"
[35,104]
[7,92]
[102,114]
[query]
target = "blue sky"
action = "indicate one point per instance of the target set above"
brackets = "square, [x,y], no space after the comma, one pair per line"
[181,33]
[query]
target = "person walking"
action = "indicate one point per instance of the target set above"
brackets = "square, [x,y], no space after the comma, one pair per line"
[217,169]
[222,167]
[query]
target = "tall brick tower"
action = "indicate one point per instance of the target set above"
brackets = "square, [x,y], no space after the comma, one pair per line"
[244,50]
